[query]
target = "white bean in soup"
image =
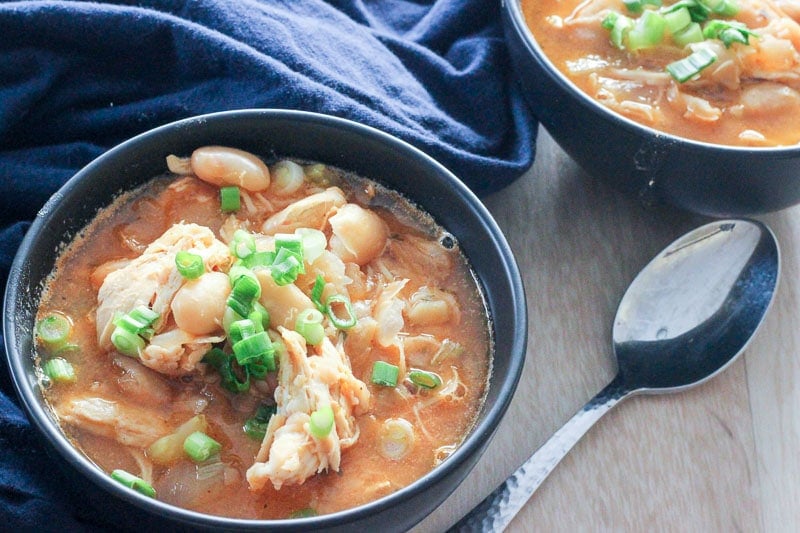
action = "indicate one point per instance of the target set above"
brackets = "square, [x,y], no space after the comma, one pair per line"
[314,345]
[720,71]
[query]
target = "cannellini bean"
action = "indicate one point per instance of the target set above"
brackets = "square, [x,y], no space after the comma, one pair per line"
[359,235]
[430,307]
[223,166]
[199,304]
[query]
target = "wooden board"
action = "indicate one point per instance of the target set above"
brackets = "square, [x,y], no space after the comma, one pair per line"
[722,457]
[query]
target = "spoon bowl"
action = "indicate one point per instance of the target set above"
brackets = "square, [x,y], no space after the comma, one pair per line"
[687,315]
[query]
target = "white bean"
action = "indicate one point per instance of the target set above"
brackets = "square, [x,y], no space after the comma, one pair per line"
[359,235]
[223,166]
[199,304]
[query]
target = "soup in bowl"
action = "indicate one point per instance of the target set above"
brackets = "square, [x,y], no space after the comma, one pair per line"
[694,102]
[240,330]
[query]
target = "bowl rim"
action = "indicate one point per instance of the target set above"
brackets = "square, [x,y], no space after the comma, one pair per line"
[523,31]
[476,440]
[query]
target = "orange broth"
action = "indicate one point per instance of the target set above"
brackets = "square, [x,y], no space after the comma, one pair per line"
[139,217]
[731,103]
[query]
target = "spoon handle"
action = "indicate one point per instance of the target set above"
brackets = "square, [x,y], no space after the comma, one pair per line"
[498,509]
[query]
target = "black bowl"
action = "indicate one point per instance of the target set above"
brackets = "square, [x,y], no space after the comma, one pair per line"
[701,177]
[330,140]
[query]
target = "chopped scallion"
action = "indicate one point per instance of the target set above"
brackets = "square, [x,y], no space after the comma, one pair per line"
[243,244]
[647,31]
[314,243]
[424,378]
[309,325]
[689,67]
[252,348]
[316,293]
[59,370]
[255,427]
[688,35]
[344,322]
[199,446]
[385,374]
[54,330]
[133,482]
[189,265]
[127,343]
[230,199]
[321,422]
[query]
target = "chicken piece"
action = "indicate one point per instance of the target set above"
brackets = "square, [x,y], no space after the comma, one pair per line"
[126,424]
[290,454]
[176,352]
[311,212]
[152,278]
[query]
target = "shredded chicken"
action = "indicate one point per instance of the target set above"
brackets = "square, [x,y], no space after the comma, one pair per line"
[152,280]
[290,454]
[128,425]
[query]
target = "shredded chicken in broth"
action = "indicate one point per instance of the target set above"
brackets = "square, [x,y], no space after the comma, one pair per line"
[719,71]
[263,340]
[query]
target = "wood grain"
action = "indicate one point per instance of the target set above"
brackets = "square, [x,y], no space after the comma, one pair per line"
[721,457]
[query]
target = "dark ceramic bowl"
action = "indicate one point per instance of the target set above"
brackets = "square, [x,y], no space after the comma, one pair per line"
[704,178]
[330,140]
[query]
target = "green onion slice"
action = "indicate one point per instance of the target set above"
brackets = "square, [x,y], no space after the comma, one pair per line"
[133,482]
[252,349]
[309,325]
[127,343]
[190,265]
[199,446]
[303,513]
[230,199]
[385,374]
[255,427]
[424,378]
[60,370]
[243,244]
[689,67]
[54,330]
[339,300]
[321,422]
[316,293]
[314,243]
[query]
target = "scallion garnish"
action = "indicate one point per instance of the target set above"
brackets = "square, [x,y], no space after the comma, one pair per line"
[689,67]
[309,325]
[229,370]
[189,265]
[133,482]
[59,370]
[255,427]
[243,244]
[321,422]
[692,33]
[647,31]
[314,243]
[199,446]
[54,330]
[254,349]
[303,513]
[385,374]
[127,343]
[424,378]
[316,293]
[229,199]
[728,31]
[348,320]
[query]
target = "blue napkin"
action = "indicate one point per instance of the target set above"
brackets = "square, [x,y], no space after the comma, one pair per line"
[77,78]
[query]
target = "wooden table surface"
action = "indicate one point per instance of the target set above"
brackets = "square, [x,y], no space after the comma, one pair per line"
[724,456]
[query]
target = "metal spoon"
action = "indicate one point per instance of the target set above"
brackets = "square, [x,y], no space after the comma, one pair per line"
[684,318]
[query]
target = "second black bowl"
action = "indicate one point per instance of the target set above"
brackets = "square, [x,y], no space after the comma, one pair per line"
[704,178]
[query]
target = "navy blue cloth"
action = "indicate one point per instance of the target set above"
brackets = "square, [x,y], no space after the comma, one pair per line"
[77,78]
